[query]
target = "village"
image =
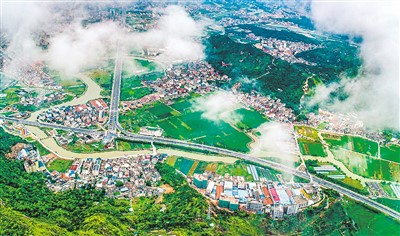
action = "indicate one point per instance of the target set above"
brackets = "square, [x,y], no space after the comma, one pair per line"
[135,176]
[283,49]
[82,116]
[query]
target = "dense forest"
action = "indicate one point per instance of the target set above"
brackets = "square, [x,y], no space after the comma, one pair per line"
[28,207]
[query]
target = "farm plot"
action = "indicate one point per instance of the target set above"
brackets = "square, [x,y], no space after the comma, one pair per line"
[307,132]
[311,148]
[367,166]
[391,153]
[352,143]
[250,119]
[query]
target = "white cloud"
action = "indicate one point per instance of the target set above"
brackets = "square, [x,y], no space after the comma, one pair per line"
[177,33]
[276,141]
[77,48]
[374,94]
[218,106]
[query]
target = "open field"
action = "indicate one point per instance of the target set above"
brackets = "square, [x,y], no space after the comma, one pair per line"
[367,166]
[307,132]
[178,121]
[104,78]
[353,183]
[193,127]
[311,148]
[391,153]
[60,165]
[131,84]
[369,221]
[10,98]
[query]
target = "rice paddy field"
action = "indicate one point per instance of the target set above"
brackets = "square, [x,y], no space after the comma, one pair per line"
[352,143]
[250,119]
[311,148]
[368,166]
[131,84]
[391,153]
[369,221]
[178,120]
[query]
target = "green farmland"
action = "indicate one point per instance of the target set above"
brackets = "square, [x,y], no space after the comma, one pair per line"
[352,143]
[190,167]
[311,148]
[131,87]
[367,166]
[179,121]
[391,153]
[392,203]
[250,119]
[369,221]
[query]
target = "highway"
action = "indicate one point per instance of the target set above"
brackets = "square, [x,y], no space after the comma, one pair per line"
[115,93]
[196,146]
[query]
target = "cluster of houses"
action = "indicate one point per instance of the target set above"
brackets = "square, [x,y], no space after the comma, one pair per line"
[234,193]
[180,81]
[271,108]
[83,115]
[29,155]
[42,99]
[284,50]
[131,176]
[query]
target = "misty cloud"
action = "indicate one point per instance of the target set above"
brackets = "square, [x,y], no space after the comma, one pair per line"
[277,141]
[77,48]
[218,106]
[74,48]
[177,33]
[374,94]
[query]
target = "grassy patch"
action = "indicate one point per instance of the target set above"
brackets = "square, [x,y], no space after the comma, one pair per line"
[353,183]
[369,221]
[238,168]
[60,165]
[104,78]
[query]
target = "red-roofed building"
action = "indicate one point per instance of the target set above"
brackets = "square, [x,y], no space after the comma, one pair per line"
[103,104]
[274,195]
[219,189]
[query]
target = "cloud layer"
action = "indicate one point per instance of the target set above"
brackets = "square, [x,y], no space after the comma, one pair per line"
[217,107]
[74,48]
[374,94]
